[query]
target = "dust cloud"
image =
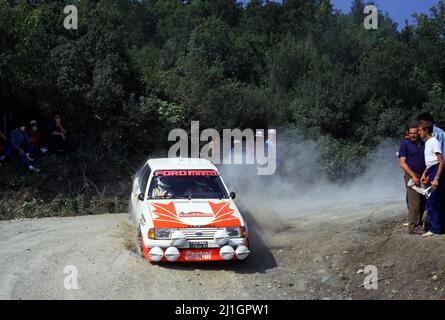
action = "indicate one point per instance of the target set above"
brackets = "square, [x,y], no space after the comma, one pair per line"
[300,185]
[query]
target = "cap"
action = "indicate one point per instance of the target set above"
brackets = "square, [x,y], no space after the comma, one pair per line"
[33,122]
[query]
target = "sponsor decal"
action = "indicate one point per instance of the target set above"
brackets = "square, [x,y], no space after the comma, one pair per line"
[198,255]
[195,214]
[185,173]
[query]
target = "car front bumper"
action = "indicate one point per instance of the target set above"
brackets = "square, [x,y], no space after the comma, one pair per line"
[187,254]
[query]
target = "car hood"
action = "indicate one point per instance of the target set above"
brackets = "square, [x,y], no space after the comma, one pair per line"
[194,213]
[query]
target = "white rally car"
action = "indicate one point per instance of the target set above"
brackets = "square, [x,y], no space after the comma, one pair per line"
[184,213]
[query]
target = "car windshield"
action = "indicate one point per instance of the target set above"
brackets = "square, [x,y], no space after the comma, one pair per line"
[187,186]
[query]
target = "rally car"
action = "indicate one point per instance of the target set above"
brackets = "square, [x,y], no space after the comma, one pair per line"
[184,212]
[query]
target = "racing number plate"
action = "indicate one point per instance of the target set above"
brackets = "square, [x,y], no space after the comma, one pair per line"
[199,245]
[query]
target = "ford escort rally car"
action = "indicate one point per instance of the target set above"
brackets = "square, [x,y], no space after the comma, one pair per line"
[185,213]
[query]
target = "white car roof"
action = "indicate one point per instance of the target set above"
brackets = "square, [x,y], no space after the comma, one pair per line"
[180,164]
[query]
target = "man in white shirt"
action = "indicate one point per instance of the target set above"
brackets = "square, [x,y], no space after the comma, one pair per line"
[438,133]
[433,174]
[271,142]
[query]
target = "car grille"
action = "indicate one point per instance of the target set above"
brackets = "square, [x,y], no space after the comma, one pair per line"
[199,233]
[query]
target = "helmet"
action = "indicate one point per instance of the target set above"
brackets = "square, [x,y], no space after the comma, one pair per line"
[163,188]
[163,182]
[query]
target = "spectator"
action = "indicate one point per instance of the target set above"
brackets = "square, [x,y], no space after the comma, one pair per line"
[412,161]
[407,133]
[271,142]
[438,133]
[433,175]
[259,142]
[214,153]
[35,139]
[406,137]
[441,125]
[19,144]
[58,139]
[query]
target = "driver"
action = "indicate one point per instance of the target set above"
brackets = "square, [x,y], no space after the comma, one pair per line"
[162,189]
[200,185]
[203,184]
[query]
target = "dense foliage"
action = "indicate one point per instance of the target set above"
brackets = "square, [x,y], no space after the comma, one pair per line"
[135,69]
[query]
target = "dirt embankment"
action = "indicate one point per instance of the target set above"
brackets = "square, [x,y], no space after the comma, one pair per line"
[315,256]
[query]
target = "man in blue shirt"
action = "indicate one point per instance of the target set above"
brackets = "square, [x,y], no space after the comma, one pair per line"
[19,144]
[412,161]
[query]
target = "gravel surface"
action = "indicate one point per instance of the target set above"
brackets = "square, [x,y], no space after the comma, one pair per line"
[316,256]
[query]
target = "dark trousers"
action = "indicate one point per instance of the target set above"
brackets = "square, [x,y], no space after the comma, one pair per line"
[436,204]
[416,206]
[34,150]
[58,145]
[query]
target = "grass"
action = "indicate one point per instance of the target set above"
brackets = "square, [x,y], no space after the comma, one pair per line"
[64,187]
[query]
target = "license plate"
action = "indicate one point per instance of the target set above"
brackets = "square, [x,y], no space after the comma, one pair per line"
[199,245]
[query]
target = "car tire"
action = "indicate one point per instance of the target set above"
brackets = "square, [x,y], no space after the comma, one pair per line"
[138,241]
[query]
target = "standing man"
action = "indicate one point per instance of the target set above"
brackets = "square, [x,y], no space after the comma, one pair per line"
[437,133]
[433,174]
[271,142]
[412,161]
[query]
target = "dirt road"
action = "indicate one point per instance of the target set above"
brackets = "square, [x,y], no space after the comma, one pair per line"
[315,256]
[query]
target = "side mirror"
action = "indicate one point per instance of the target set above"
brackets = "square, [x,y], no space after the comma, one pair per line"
[232,195]
[141,196]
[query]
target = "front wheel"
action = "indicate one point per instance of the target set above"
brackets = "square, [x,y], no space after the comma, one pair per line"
[138,242]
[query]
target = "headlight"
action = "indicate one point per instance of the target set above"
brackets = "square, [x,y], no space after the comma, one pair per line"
[235,232]
[163,233]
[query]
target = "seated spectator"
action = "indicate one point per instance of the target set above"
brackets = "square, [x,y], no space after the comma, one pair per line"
[35,139]
[58,139]
[19,144]
[3,142]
